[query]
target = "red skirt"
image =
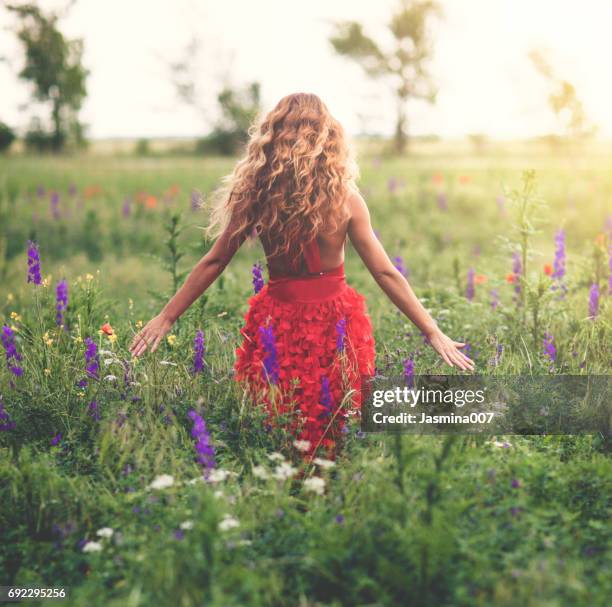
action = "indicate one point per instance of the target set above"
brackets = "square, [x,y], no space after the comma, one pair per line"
[307,350]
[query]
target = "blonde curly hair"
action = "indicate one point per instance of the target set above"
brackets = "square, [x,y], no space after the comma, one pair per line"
[292,182]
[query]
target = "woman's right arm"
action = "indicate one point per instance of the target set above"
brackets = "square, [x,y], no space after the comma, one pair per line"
[395,285]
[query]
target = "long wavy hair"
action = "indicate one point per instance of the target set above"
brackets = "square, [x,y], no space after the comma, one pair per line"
[293,180]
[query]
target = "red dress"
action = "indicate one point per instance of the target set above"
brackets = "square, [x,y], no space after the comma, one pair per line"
[307,348]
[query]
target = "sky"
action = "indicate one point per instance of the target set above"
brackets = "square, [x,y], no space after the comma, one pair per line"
[486,82]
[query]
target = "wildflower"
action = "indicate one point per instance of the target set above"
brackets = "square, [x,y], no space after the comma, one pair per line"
[392,185]
[494,299]
[498,354]
[89,277]
[61,301]
[198,352]
[340,334]
[480,279]
[106,532]
[15,317]
[339,519]
[55,440]
[186,525]
[54,203]
[516,483]
[196,200]
[276,457]
[204,447]
[228,522]
[34,263]
[219,475]
[301,445]
[6,423]
[548,269]
[469,290]
[10,349]
[398,262]
[316,484]
[171,339]
[106,329]
[326,396]
[549,347]
[442,201]
[511,278]
[284,471]
[517,270]
[92,363]
[324,463]
[260,472]
[48,341]
[92,547]
[258,281]
[270,369]
[139,324]
[409,372]
[162,481]
[437,178]
[94,410]
[594,301]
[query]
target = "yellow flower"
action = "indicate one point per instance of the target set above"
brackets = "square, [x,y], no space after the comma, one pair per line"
[15,316]
[47,339]
[139,324]
[171,339]
[112,338]
[88,277]
[79,279]
[14,328]
[47,371]
[78,339]
[46,281]
[80,394]
[9,297]
[130,303]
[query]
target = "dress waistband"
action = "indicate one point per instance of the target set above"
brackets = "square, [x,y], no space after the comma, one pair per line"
[308,289]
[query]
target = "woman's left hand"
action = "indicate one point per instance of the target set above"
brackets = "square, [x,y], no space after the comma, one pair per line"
[150,335]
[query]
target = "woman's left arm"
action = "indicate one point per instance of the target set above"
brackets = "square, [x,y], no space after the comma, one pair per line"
[205,272]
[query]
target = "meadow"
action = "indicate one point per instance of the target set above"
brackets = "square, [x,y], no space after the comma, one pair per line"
[155,481]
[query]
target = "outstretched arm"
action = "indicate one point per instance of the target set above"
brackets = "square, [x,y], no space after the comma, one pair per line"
[395,285]
[205,272]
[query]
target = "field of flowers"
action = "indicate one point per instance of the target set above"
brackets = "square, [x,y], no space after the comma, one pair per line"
[155,481]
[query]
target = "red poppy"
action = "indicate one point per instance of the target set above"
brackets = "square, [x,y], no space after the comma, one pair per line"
[106,328]
[548,269]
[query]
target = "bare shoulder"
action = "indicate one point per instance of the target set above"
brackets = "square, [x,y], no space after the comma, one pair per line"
[356,204]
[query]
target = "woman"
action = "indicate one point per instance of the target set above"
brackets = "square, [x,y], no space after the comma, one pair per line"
[307,340]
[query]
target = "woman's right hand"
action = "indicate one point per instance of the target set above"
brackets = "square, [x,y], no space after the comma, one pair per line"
[150,335]
[449,350]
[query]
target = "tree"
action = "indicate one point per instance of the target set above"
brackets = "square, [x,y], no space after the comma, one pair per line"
[7,136]
[563,100]
[405,65]
[53,64]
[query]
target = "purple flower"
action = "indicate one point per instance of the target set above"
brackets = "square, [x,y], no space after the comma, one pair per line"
[198,352]
[392,185]
[559,262]
[516,483]
[72,190]
[494,299]
[55,440]
[196,200]
[517,269]
[203,446]
[61,301]
[92,363]
[409,372]
[549,347]
[469,290]
[593,301]
[33,263]
[94,410]
[126,207]
[326,397]
[442,201]
[5,419]
[12,356]
[40,191]
[55,212]
[258,281]
[398,262]
[270,369]
[340,334]
[498,354]
[339,519]
[179,534]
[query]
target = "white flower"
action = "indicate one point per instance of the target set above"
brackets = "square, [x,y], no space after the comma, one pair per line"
[167,362]
[228,522]
[324,463]
[108,361]
[315,484]
[92,547]
[219,494]
[107,352]
[162,481]
[301,445]
[260,472]
[501,445]
[197,479]
[105,532]
[186,525]
[218,475]
[276,457]
[284,471]
[111,378]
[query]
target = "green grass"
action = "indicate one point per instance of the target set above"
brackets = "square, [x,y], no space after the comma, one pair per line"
[419,520]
